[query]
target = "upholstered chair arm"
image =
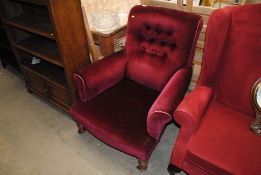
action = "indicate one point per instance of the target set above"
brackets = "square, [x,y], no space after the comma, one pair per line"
[191,109]
[188,115]
[162,109]
[95,78]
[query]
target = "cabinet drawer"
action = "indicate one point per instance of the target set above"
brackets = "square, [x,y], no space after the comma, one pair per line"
[36,82]
[59,94]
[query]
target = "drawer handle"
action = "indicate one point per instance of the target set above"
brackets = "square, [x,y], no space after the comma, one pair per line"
[46,90]
[50,92]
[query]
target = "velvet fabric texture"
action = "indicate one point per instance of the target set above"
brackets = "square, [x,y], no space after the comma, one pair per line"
[128,97]
[214,136]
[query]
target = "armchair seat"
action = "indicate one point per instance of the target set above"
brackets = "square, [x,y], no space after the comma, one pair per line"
[127,131]
[224,143]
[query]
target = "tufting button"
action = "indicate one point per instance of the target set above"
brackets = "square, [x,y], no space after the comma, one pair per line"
[153,52]
[142,37]
[159,30]
[165,55]
[169,32]
[147,26]
[142,49]
[151,40]
[162,43]
[173,45]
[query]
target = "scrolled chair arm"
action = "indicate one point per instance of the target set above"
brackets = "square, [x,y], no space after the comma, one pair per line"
[95,78]
[161,111]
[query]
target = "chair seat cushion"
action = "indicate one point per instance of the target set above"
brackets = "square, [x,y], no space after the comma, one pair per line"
[118,117]
[224,144]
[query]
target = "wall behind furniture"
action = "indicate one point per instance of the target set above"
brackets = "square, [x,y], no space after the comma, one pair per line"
[253,1]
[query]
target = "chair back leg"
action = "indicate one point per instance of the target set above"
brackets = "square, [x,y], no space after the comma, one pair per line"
[172,169]
[142,165]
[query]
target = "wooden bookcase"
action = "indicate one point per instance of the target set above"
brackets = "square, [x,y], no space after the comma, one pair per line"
[52,31]
[6,53]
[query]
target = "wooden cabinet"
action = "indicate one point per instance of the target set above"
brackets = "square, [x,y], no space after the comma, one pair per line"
[49,41]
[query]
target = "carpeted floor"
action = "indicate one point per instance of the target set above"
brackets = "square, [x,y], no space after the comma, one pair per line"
[38,139]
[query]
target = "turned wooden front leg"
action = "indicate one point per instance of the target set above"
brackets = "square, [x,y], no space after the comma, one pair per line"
[81,128]
[106,45]
[142,165]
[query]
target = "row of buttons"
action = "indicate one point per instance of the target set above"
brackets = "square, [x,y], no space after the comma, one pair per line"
[172,44]
[153,52]
[159,30]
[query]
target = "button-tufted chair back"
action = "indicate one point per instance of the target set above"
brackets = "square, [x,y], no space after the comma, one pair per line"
[158,43]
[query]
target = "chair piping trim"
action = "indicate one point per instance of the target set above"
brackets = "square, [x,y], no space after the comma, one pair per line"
[84,89]
[196,36]
[146,141]
[163,112]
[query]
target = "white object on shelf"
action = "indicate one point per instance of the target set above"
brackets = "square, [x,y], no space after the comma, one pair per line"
[96,9]
[105,21]
[35,60]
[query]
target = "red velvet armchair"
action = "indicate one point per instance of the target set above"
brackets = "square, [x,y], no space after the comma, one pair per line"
[215,137]
[127,98]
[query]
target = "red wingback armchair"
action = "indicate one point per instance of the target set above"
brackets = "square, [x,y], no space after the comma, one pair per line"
[214,136]
[127,98]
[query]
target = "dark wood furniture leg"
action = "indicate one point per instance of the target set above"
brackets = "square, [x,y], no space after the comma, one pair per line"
[3,64]
[106,45]
[29,90]
[81,129]
[172,169]
[143,165]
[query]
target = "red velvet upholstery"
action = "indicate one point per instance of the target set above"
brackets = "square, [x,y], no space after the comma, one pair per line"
[157,43]
[117,118]
[128,97]
[214,136]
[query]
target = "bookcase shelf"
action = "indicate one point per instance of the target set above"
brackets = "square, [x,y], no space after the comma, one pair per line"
[38,25]
[47,71]
[52,31]
[34,2]
[42,48]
